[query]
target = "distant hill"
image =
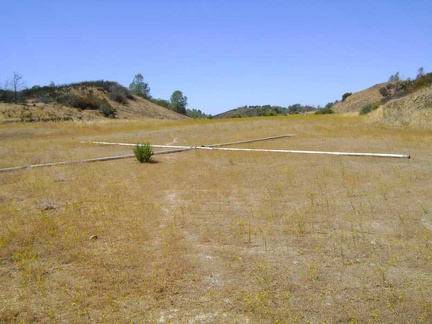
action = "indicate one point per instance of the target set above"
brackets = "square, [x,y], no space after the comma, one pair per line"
[265,110]
[80,101]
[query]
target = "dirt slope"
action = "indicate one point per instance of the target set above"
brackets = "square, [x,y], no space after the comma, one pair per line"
[141,108]
[35,110]
[414,109]
[359,99]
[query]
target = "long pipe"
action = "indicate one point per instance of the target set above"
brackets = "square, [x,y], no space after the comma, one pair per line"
[251,140]
[118,157]
[189,147]
[211,147]
[176,149]
[387,155]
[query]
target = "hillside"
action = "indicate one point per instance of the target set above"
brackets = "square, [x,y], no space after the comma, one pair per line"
[356,101]
[381,93]
[83,101]
[414,109]
[406,102]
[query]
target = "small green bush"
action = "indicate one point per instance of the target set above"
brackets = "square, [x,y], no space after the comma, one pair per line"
[107,111]
[371,107]
[85,103]
[346,95]
[384,92]
[143,152]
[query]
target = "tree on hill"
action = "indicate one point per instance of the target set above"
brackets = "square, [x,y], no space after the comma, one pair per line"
[17,85]
[12,89]
[139,87]
[178,102]
[197,114]
[160,102]
[420,73]
[395,77]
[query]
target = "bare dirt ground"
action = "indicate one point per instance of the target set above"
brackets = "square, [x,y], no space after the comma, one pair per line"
[217,237]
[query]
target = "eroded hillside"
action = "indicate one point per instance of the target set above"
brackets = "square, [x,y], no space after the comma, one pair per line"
[82,102]
[414,109]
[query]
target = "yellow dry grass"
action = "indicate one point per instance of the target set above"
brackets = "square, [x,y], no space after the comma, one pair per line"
[212,236]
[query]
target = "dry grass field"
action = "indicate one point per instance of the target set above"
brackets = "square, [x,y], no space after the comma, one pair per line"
[214,236]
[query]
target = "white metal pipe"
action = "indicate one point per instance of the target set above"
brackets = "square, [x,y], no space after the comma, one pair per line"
[152,145]
[117,157]
[252,140]
[209,147]
[388,155]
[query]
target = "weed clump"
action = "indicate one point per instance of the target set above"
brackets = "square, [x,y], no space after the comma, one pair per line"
[143,152]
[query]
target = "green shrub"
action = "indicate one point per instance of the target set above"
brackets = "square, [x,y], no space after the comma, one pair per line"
[346,95]
[107,111]
[85,103]
[118,93]
[324,111]
[371,107]
[143,152]
[384,92]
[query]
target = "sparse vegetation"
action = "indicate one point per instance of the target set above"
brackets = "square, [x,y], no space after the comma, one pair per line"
[265,238]
[260,237]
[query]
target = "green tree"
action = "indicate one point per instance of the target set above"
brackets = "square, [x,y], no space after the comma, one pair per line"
[178,102]
[139,87]
[197,114]
[161,102]
[394,77]
[420,73]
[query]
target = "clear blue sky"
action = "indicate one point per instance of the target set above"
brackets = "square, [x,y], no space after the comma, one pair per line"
[220,53]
